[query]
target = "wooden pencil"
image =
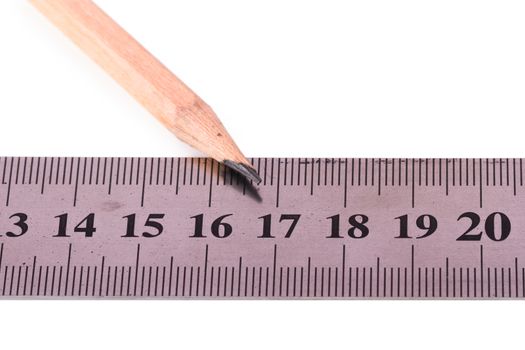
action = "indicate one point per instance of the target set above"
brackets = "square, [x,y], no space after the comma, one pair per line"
[146,79]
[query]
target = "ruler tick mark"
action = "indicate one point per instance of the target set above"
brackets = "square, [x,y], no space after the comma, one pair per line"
[93,291]
[322,281]
[232,280]
[306,170]
[346,180]
[392,282]
[311,177]
[39,279]
[419,172]
[481,268]
[379,178]
[211,282]
[79,283]
[339,161]
[122,281]
[481,186]
[96,177]
[342,272]
[399,282]
[468,282]
[87,280]
[246,282]
[53,280]
[110,182]
[514,176]
[413,184]
[446,278]
[149,280]
[211,184]
[377,276]
[76,184]
[274,268]
[453,282]
[190,281]
[136,270]
[332,164]
[83,171]
[308,281]
[357,281]
[5,280]
[239,278]
[101,276]
[475,282]
[412,273]
[278,182]
[151,169]
[9,183]
[315,281]
[260,283]
[373,170]
[197,280]
[515,276]
[286,172]
[218,281]
[11,280]
[25,280]
[115,275]
[143,182]
[205,271]
[294,281]
[32,276]
[178,173]
[419,282]
[171,279]
[350,282]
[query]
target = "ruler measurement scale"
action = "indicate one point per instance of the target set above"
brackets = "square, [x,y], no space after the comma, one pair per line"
[434,282]
[246,271]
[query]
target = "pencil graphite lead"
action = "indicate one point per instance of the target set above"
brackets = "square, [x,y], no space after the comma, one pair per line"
[247,171]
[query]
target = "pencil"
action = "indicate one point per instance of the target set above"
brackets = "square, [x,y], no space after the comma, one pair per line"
[166,97]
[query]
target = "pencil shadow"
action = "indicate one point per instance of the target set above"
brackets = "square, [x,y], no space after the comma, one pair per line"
[245,187]
[252,191]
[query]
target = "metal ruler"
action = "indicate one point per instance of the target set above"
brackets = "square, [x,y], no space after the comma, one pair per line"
[314,228]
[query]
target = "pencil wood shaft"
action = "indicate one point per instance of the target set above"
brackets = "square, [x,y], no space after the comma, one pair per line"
[143,76]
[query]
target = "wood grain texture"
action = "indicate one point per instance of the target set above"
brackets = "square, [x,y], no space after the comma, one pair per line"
[143,76]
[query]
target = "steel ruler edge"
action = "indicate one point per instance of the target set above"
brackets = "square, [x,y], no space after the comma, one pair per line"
[331,228]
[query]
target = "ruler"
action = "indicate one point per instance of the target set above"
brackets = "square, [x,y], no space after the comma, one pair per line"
[314,228]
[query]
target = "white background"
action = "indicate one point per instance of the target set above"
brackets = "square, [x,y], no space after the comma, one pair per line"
[288,78]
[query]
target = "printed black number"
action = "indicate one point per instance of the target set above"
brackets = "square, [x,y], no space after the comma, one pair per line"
[474,222]
[87,226]
[495,233]
[199,219]
[152,221]
[423,222]
[21,223]
[357,229]
[267,224]
[219,229]
[504,229]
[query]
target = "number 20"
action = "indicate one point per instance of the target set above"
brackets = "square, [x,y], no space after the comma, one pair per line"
[490,227]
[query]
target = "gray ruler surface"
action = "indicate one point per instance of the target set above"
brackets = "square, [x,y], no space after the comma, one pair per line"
[314,228]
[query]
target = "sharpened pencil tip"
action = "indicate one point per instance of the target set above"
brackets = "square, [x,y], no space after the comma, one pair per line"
[247,171]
